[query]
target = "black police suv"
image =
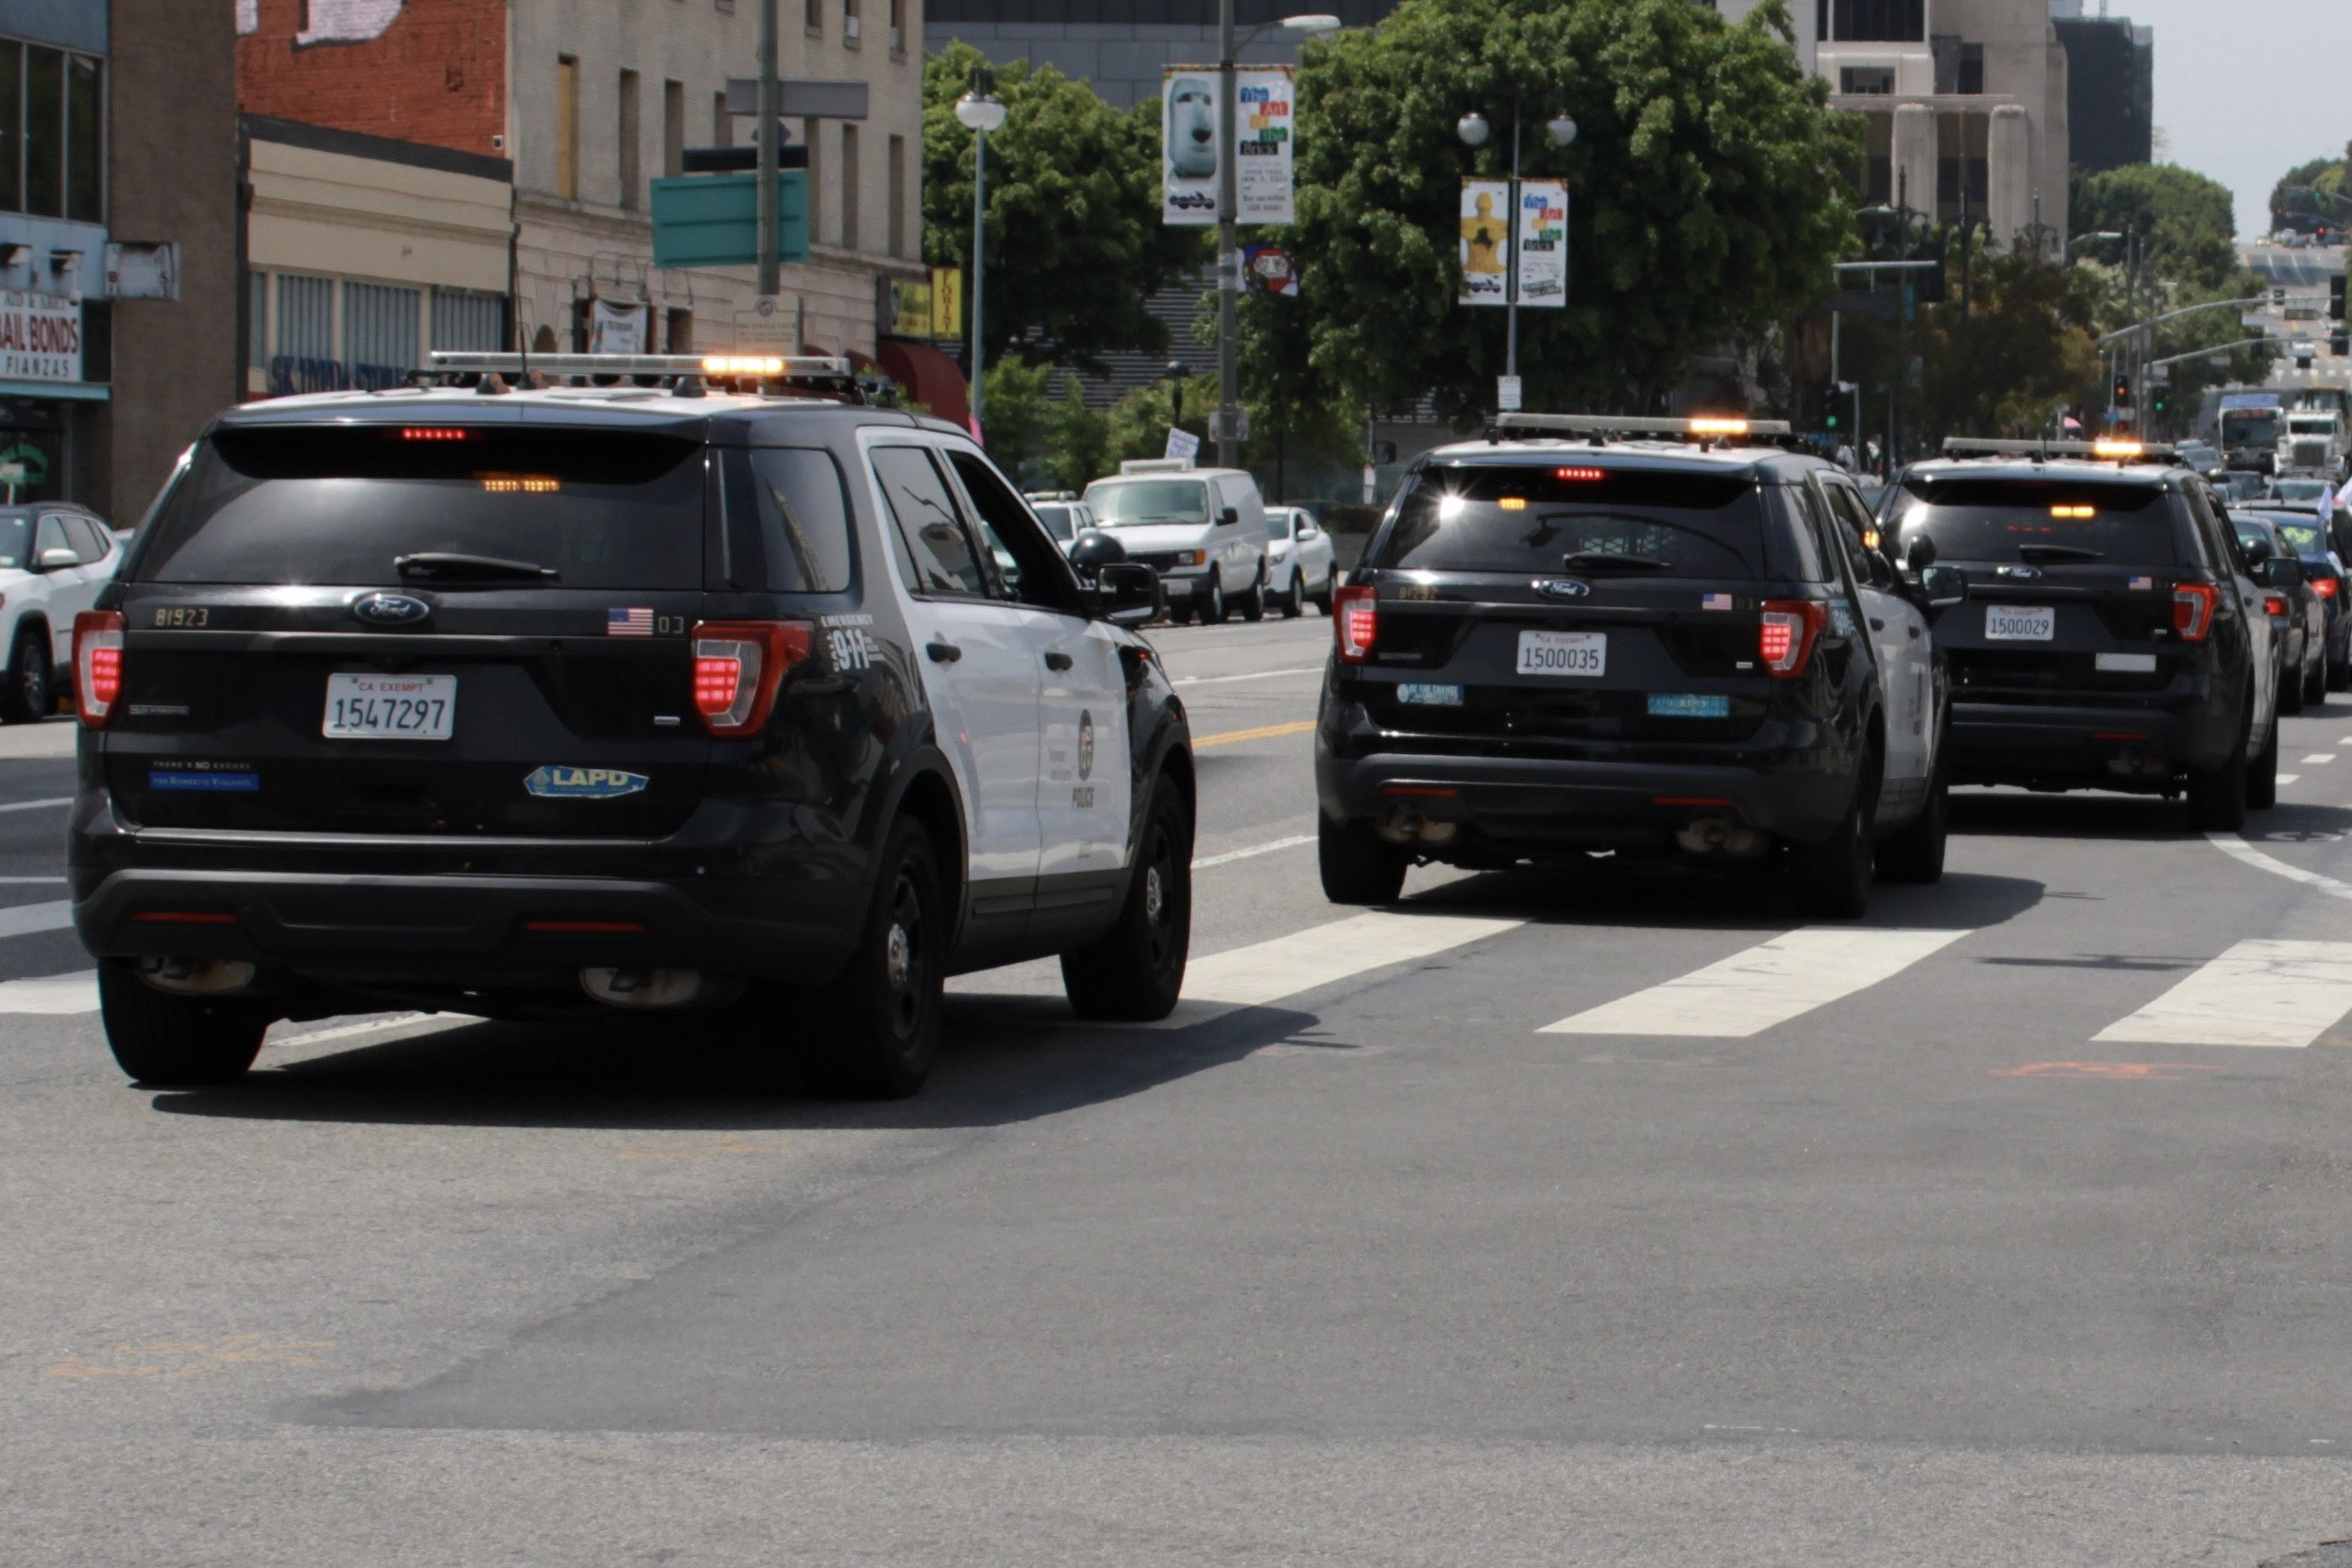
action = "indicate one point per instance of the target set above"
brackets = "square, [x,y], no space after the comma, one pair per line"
[1568,641]
[532,703]
[2115,638]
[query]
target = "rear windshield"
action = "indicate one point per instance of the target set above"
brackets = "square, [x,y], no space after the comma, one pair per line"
[1120,503]
[1056,521]
[2052,522]
[2302,538]
[1576,519]
[602,508]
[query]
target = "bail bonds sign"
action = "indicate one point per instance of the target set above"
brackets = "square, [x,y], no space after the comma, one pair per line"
[40,337]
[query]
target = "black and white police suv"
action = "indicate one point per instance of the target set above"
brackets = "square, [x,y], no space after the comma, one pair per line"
[2118,637]
[525,700]
[1646,636]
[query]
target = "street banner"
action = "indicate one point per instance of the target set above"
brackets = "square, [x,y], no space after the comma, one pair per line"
[1543,244]
[40,337]
[1187,140]
[1485,242]
[1268,269]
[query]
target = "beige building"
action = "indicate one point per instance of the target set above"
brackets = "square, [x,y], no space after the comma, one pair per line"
[364,253]
[601,101]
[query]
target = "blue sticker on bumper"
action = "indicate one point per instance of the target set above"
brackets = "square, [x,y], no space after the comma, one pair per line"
[194,781]
[1689,705]
[585,784]
[1430,695]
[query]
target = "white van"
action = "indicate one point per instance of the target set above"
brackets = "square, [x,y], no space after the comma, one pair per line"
[1203,529]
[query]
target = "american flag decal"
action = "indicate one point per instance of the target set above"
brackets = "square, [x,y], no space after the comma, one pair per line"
[635,621]
[2143,582]
[1715,601]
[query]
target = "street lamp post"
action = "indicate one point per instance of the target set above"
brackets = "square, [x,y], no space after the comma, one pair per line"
[1229,216]
[981,111]
[1473,129]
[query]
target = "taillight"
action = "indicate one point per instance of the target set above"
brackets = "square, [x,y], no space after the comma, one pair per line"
[1356,621]
[737,667]
[2324,586]
[1785,636]
[2194,604]
[2274,605]
[98,664]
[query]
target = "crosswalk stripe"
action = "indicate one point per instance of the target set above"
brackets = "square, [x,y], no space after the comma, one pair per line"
[2263,992]
[51,994]
[1770,984]
[1267,971]
[24,920]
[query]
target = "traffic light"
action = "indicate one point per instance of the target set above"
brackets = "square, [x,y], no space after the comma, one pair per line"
[2161,401]
[1832,407]
[2335,298]
[2123,392]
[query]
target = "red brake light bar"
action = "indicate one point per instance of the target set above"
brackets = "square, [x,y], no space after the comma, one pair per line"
[1355,623]
[434,433]
[1582,476]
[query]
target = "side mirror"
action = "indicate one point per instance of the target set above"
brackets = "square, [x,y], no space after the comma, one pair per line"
[2279,571]
[58,558]
[1128,593]
[1942,587]
[1922,553]
[1230,517]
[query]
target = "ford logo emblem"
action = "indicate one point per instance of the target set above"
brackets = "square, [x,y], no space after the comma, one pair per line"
[1563,587]
[391,610]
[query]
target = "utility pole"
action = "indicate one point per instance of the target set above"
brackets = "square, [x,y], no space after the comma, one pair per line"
[771,95]
[1229,249]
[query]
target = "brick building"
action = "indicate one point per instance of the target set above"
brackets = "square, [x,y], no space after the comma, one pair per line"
[587,101]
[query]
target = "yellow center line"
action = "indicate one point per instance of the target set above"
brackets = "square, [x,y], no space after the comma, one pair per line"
[1265,731]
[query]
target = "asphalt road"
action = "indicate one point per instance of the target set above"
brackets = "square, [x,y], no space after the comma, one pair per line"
[1596,1218]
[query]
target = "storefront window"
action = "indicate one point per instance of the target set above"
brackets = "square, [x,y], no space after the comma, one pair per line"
[44,132]
[52,133]
[11,128]
[32,454]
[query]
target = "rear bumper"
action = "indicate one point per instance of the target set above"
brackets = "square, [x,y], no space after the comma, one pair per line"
[1530,801]
[2081,748]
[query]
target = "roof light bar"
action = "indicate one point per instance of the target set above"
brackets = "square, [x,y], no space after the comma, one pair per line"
[454,363]
[1631,425]
[2105,451]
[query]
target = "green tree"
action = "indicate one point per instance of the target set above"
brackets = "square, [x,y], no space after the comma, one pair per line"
[1708,201]
[1017,407]
[1074,241]
[2185,222]
[2024,346]
[2314,191]
[1140,421]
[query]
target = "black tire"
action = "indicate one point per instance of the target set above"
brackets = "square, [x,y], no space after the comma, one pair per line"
[28,691]
[176,1041]
[2315,682]
[2217,796]
[1253,603]
[2290,689]
[1180,616]
[2339,673]
[1212,608]
[1358,864]
[2263,774]
[1323,599]
[1294,600]
[1916,854]
[1134,973]
[872,1033]
[1831,881]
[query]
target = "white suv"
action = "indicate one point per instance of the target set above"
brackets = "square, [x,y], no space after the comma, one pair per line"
[54,558]
[1202,529]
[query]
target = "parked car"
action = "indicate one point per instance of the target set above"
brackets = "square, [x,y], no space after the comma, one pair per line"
[1622,644]
[2118,638]
[558,703]
[1063,514]
[2299,615]
[1202,529]
[1300,566]
[53,560]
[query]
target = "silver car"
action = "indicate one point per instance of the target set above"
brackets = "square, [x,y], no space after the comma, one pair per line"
[1299,566]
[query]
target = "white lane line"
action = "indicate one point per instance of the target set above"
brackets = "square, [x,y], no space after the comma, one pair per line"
[2262,992]
[1751,991]
[2319,757]
[37,805]
[422,1023]
[1255,850]
[1253,675]
[2238,850]
[45,882]
[1267,971]
[2288,778]
[29,919]
[51,993]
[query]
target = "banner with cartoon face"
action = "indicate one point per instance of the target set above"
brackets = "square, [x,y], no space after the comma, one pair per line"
[1541,237]
[1263,145]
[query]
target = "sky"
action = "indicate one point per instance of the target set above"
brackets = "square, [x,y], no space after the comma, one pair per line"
[2245,90]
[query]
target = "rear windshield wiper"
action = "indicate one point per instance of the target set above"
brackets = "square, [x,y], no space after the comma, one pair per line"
[1606,561]
[451,563]
[2052,554]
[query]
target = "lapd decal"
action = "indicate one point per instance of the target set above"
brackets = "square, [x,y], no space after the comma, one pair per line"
[854,648]
[555,782]
[1086,748]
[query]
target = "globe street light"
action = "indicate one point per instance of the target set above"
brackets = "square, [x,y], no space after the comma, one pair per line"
[981,111]
[1311,25]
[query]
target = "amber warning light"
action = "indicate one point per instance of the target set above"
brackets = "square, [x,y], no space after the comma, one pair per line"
[520,485]
[2076,512]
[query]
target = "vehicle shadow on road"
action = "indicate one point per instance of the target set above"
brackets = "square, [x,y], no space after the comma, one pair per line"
[2137,818]
[1002,1060]
[1730,899]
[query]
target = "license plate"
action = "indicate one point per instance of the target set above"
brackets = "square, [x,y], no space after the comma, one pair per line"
[1583,654]
[1430,695]
[1665,704]
[2005,623]
[2128,664]
[390,708]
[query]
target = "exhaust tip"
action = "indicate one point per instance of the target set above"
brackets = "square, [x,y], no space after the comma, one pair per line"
[196,976]
[642,988]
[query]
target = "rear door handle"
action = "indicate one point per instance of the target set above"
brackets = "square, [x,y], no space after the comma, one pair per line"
[943,653]
[1877,625]
[1057,660]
